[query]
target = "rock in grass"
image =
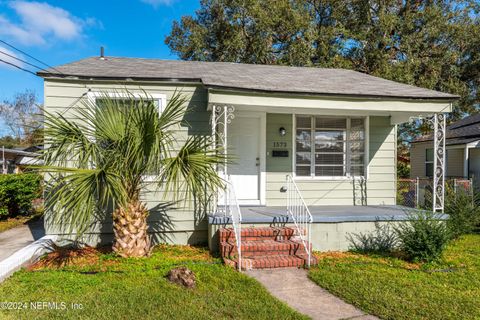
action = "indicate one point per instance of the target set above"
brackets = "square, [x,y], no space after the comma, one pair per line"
[182,276]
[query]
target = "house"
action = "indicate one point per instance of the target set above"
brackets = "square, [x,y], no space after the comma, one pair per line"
[321,142]
[15,160]
[463,151]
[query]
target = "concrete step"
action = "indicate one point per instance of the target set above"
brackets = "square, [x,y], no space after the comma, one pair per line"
[270,262]
[263,247]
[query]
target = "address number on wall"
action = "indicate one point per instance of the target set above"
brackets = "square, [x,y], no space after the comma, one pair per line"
[279,144]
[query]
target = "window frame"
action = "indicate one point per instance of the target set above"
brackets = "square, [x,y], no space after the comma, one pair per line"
[427,162]
[160,97]
[346,164]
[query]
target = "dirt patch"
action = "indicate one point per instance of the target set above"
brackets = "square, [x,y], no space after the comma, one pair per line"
[182,276]
[66,257]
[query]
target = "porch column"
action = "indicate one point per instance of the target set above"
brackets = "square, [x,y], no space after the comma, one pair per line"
[222,116]
[439,126]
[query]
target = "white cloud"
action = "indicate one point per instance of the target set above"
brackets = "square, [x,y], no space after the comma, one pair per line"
[9,56]
[39,22]
[156,3]
[18,33]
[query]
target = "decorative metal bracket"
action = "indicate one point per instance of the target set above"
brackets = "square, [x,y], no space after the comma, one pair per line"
[221,117]
[438,120]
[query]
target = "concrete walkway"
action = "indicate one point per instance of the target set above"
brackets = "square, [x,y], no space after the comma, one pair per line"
[294,288]
[17,238]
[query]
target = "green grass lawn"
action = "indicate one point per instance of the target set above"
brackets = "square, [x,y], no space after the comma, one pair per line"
[393,289]
[114,288]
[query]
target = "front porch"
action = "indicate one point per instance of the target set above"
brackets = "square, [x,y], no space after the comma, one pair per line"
[306,173]
[277,215]
[331,226]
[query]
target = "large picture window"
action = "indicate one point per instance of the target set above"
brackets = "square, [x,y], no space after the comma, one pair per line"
[329,147]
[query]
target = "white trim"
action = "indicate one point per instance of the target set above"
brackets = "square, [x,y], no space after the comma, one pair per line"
[366,152]
[160,97]
[289,101]
[26,255]
[466,160]
[263,158]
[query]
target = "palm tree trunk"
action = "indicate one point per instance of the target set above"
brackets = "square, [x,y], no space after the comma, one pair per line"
[130,229]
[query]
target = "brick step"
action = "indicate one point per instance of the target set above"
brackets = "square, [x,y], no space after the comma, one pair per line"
[270,262]
[261,233]
[263,247]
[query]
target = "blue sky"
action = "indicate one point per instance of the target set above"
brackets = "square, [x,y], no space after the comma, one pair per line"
[58,32]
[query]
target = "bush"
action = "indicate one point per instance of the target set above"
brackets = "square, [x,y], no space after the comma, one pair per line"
[463,209]
[382,240]
[17,192]
[423,237]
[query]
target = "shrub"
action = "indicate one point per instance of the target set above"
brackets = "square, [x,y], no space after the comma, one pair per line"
[382,240]
[463,209]
[17,192]
[423,237]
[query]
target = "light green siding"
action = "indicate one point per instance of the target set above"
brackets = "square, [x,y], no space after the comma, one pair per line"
[380,184]
[183,222]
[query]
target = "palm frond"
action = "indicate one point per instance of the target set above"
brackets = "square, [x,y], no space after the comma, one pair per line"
[193,170]
[100,159]
[66,142]
[74,195]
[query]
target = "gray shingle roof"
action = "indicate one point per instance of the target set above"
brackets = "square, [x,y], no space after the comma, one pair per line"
[460,132]
[245,77]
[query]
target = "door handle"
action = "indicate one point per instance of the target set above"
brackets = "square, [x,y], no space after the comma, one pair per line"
[257,163]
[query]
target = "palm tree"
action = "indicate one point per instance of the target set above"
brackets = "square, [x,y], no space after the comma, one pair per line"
[102,158]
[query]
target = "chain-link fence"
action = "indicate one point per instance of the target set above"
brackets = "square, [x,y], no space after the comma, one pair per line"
[418,193]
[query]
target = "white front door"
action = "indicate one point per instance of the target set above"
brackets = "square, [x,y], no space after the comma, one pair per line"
[244,146]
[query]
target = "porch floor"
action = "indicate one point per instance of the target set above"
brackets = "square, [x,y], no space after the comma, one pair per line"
[320,214]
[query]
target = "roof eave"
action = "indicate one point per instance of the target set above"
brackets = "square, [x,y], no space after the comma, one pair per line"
[49,75]
[453,98]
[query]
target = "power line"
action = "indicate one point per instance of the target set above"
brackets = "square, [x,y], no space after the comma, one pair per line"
[18,67]
[30,56]
[16,58]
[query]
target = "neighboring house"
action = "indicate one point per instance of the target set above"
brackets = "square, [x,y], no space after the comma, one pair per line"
[17,159]
[333,130]
[463,151]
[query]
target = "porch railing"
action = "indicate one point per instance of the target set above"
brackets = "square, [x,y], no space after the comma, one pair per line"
[232,210]
[300,214]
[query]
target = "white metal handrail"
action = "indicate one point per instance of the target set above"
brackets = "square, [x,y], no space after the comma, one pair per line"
[232,210]
[300,214]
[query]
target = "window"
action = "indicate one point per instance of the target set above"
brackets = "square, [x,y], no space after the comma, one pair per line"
[124,100]
[429,162]
[329,147]
[158,99]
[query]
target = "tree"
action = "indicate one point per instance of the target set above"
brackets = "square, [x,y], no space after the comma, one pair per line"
[102,161]
[23,116]
[9,142]
[431,44]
